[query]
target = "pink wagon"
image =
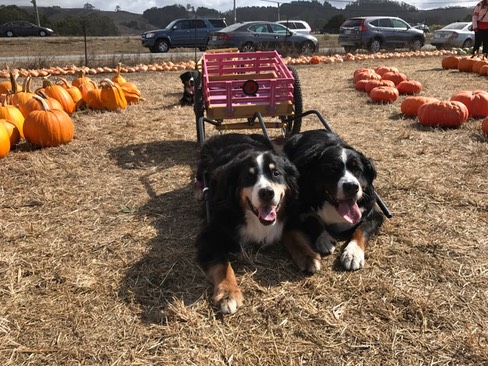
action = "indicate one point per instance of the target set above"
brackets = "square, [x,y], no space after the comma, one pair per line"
[246,88]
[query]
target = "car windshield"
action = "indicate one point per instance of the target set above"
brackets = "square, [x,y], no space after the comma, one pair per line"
[456,26]
[352,23]
[231,28]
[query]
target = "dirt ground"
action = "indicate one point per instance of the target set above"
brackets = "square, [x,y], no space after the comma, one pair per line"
[98,258]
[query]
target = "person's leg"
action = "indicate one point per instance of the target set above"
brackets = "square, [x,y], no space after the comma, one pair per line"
[477,42]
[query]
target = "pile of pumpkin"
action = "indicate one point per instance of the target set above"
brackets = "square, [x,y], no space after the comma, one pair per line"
[476,64]
[75,70]
[339,58]
[43,117]
[384,84]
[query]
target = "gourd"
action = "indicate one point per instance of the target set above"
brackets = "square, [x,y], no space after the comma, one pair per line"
[48,127]
[450,114]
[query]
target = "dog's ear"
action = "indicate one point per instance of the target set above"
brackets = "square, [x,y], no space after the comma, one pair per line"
[291,177]
[369,168]
[223,183]
[186,76]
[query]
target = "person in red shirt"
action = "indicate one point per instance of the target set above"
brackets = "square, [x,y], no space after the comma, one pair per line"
[480,27]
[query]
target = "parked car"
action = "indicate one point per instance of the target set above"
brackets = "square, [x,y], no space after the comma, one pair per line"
[458,34]
[297,26]
[182,33]
[378,32]
[23,29]
[264,36]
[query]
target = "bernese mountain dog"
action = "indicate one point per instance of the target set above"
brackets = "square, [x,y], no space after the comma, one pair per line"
[337,200]
[248,188]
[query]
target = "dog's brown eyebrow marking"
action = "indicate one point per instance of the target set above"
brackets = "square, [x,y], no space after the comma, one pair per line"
[251,170]
[272,166]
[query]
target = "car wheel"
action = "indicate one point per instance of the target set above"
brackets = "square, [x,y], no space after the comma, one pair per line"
[417,44]
[42,33]
[375,45]
[467,44]
[9,33]
[350,49]
[307,48]
[248,47]
[162,46]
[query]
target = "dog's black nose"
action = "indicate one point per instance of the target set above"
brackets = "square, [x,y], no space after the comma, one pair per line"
[266,194]
[350,188]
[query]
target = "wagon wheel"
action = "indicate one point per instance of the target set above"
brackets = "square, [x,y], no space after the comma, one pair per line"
[293,126]
[198,106]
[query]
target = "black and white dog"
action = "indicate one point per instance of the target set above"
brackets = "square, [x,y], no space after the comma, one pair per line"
[336,200]
[249,188]
[187,78]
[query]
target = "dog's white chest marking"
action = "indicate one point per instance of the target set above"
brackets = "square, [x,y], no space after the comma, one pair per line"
[255,232]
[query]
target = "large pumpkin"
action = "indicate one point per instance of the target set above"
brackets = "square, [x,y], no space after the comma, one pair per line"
[443,114]
[119,79]
[48,127]
[131,92]
[383,94]
[20,97]
[365,73]
[35,104]
[466,63]
[476,101]
[410,105]
[4,141]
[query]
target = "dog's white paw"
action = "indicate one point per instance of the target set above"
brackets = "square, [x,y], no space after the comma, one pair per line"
[229,306]
[352,258]
[228,299]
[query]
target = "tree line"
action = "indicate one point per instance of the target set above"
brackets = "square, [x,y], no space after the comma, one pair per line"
[322,17]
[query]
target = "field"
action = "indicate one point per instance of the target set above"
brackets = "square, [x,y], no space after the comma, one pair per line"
[98,259]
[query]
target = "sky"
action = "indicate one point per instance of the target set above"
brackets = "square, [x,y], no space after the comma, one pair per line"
[138,6]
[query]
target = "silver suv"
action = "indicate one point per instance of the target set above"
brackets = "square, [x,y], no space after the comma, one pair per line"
[376,33]
[182,33]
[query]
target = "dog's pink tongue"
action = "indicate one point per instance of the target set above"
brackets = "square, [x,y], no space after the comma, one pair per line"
[350,211]
[267,213]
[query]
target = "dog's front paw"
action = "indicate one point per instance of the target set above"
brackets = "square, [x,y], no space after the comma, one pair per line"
[228,299]
[325,243]
[308,263]
[352,258]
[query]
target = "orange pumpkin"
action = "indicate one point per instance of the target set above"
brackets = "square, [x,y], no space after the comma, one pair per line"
[4,141]
[396,76]
[361,84]
[34,104]
[119,79]
[73,91]
[12,114]
[381,70]
[484,126]
[111,95]
[314,60]
[365,73]
[476,101]
[92,98]
[60,94]
[373,83]
[48,127]
[466,63]
[20,97]
[131,92]
[450,62]
[411,105]
[450,114]
[13,132]
[81,79]
[384,94]
[409,87]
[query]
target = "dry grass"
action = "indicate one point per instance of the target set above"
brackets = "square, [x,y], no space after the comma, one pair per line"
[97,241]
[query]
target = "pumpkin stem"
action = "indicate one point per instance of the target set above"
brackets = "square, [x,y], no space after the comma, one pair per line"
[46,82]
[41,100]
[27,83]
[63,82]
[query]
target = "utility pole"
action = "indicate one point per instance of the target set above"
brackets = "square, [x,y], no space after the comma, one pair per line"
[37,12]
